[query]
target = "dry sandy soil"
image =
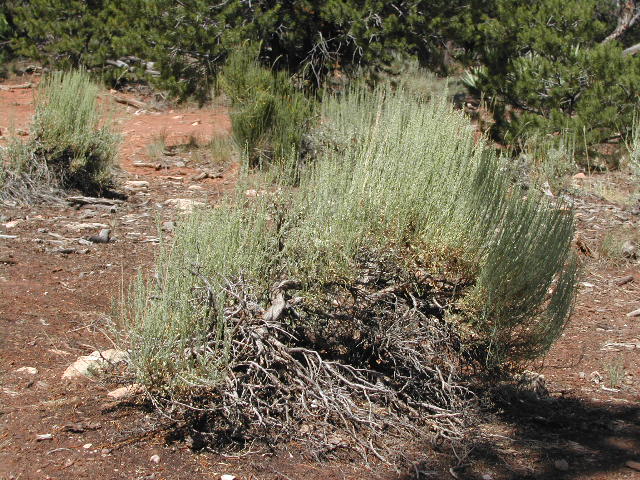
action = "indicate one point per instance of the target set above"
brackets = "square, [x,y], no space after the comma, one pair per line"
[55,306]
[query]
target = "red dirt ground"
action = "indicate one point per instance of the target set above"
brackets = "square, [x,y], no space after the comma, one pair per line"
[55,307]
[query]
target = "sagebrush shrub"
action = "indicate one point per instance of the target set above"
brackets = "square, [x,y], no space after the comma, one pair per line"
[269,116]
[70,133]
[399,176]
[72,144]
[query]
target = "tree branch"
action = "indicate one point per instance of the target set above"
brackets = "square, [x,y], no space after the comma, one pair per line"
[628,15]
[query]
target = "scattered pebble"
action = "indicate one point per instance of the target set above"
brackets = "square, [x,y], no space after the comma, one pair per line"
[136,185]
[629,250]
[186,205]
[155,458]
[86,226]
[86,365]
[126,391]
[103,237]
[227,477]
[13,223]
[29,370]
[87,446]
[44,436]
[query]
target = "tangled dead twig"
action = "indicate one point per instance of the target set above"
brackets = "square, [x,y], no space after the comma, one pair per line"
[362,372]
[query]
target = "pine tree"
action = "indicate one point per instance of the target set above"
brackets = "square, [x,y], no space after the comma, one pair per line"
[547,69]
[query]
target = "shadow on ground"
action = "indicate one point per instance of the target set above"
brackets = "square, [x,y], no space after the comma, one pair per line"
[554,438]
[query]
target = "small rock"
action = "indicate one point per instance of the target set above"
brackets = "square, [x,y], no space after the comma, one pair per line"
[88,214]
[105,451]
[103,237]
[632,465]
[43,436]
[14,223]
[595,377]
[486,476]
[87,446]
[194,187]
[629,250]
[227,477]
[200,176]
[579,176]
[29,370]
[561,465]
[86,365]
[86,226]
[179,164]
[635,313]
[124,392]
[185,205]
[136,185]
[168,226]
[107,208]
[155,459]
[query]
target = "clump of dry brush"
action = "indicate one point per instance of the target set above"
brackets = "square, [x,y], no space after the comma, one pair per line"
[356,365]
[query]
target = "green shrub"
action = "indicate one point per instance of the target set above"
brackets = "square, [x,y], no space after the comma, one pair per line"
[70,140]
[269,116]
[402,183]
[70,133]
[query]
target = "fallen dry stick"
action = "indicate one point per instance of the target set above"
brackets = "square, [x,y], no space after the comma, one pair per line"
[79,200]
[16,87]
[623,280]
[132,103]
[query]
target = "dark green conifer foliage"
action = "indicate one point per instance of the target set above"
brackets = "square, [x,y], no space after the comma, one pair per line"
[547,71]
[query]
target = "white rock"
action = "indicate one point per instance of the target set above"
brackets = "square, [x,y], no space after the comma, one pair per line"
[155,458]
[126,391]
[87,446]
[44,436]
[88,364]
[136,185]
[29,370]
[13,223]
[86,226]
[227,477]
[186,205]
